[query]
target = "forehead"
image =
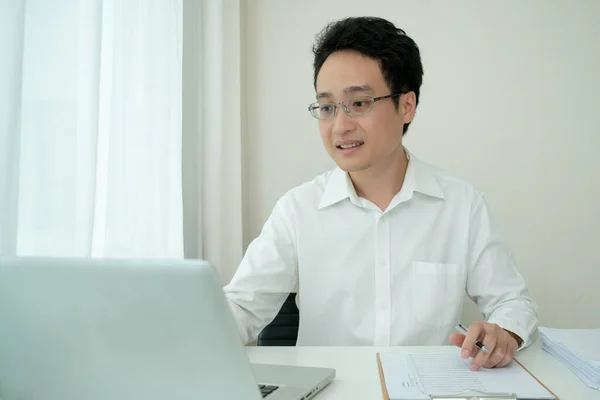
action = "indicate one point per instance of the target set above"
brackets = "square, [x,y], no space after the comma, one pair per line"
[348,69]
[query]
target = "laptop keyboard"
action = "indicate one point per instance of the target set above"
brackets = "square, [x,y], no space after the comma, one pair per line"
[266,390]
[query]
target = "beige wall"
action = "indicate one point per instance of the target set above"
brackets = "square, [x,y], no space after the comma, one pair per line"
[510,102]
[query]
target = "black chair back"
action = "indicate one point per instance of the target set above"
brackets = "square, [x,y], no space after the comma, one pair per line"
[283,330]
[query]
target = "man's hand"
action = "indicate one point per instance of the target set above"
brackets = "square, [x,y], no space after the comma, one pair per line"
[502,345]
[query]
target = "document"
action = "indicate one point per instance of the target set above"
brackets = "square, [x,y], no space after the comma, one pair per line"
[417,376]
[578,349]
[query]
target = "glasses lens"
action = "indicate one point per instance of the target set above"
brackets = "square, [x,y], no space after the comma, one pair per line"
[359,105]
[322,110]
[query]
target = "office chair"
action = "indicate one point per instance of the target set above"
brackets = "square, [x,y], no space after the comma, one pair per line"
[283,330]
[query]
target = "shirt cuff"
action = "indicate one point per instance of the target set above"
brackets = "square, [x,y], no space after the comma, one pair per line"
[516,328]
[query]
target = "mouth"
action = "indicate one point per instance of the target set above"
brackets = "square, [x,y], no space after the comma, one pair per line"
[349,146]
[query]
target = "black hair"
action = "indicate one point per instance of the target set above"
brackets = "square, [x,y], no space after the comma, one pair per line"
[397,54]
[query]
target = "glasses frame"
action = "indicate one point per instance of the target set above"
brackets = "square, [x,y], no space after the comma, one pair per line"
[335,105]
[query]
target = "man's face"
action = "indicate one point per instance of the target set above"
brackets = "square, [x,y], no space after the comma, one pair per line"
[357,143]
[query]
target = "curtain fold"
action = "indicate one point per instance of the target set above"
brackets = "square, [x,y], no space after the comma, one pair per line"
[12,22]
[213,127]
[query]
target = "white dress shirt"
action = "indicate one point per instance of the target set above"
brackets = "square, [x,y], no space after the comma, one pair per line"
[371,277]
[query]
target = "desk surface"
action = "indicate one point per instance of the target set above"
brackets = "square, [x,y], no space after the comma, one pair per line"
[357,376]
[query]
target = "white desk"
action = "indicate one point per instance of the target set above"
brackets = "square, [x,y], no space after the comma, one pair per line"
[357,377]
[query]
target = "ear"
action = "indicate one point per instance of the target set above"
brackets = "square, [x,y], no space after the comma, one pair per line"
[408,106]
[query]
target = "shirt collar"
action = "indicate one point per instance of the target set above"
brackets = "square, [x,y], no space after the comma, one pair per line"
[423,178]
[419,178]
[338,188]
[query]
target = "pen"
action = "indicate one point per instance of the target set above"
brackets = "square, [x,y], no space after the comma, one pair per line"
[461,328]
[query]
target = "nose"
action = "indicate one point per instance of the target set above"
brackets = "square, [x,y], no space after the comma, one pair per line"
[342,122]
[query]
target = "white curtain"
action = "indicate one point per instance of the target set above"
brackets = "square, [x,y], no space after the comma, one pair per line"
[212,134]
[90,128]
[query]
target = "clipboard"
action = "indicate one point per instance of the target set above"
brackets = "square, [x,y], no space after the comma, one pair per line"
[468,395]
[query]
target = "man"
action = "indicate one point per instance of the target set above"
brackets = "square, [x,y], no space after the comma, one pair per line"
[381,249]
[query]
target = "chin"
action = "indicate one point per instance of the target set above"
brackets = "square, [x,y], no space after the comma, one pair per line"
[354,166]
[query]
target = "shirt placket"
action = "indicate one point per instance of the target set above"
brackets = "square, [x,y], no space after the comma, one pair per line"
[382,282]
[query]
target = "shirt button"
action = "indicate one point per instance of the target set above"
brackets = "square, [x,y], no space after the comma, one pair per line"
[382,306]
[381,262]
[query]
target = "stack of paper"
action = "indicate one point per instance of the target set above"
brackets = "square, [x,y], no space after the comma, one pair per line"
[579,349]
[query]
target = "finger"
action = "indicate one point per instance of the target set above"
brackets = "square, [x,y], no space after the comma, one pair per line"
[497,355]
[490,341]
[474,332]
[476,351]
[482,357]
[457,339]
[505,361]
[510,353]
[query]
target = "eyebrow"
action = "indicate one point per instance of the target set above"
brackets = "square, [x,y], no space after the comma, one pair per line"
[347,90]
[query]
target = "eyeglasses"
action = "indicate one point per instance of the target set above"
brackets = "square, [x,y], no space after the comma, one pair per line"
[353,106]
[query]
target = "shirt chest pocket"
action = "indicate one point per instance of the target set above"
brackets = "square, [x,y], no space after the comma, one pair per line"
[437,293]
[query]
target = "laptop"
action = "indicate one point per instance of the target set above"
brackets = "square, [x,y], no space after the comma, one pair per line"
[98,329]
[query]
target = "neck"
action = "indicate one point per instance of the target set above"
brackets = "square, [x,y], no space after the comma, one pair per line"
[381,182]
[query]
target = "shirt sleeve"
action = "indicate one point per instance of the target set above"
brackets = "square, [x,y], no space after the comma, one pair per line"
[493,282]
[267,274]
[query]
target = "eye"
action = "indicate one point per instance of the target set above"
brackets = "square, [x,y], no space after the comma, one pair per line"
[361,104]
[325,108]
